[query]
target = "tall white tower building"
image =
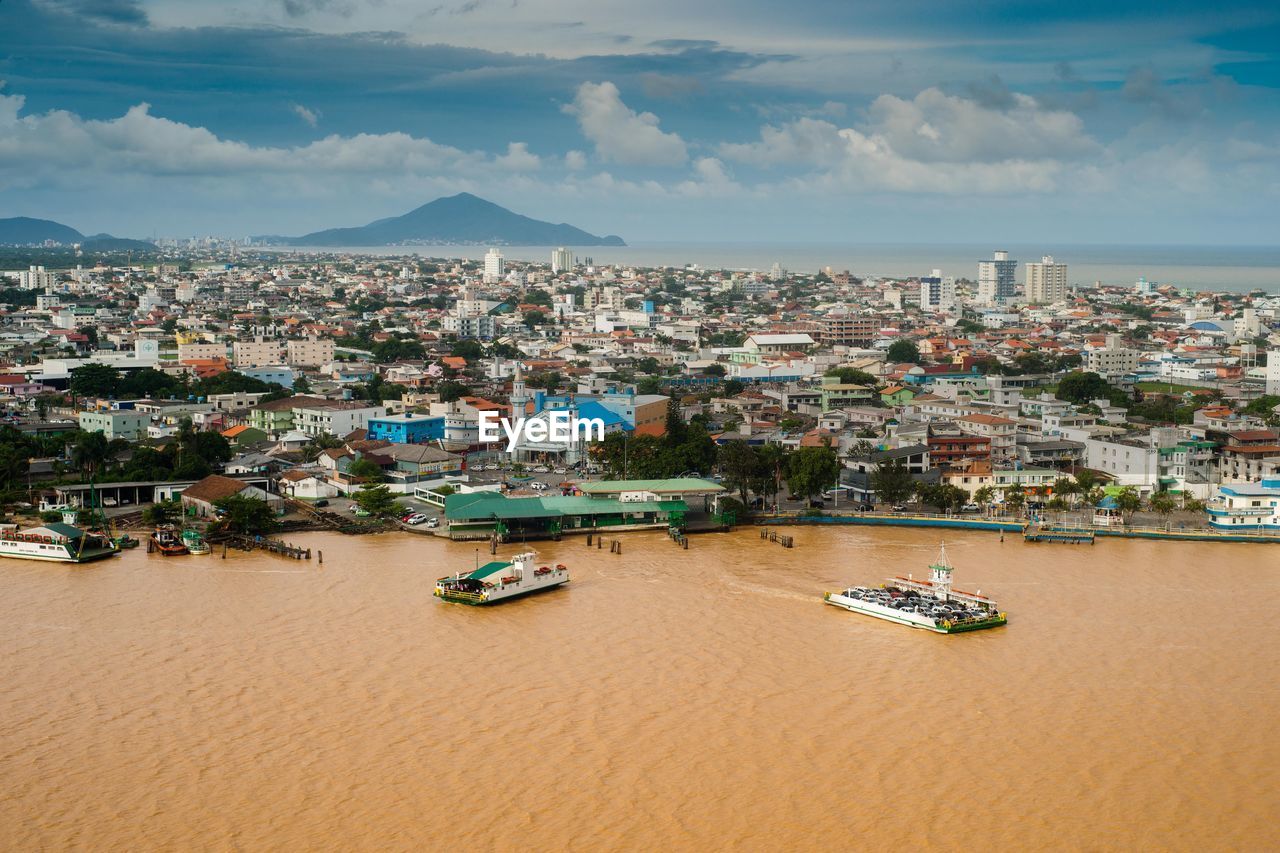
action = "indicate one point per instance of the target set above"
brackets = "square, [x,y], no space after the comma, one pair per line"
[492,266]
[35,278]
[1046,281]
[996,281]
[561,260]
[937,293]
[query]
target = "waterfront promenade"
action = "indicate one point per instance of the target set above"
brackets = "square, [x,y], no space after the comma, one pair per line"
[1012,525]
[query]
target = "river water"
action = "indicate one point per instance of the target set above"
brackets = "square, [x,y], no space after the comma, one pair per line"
[685,700]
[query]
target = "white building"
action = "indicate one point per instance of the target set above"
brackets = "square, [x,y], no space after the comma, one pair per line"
[310,352]
[336,418]
[561,260]
[259,352]
[1247,506]
[996,282]
[1273,371]
[937,293]
[1046,281]
[1112,360]
[35,278]
[493,266]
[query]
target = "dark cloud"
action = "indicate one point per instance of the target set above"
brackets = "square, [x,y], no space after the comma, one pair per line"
[684,44]
[126,12]
[302,8]
[1145,86]
[991,93]
[670,86]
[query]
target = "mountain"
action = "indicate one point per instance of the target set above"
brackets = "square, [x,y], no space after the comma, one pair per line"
[25,231]
[462,218]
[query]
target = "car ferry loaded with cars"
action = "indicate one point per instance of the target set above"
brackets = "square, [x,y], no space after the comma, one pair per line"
[932,605]
[499,581]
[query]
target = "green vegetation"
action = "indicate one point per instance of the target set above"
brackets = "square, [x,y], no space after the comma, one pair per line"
[892,482]
[903,350]
[377,500]
[243,514]
[99,380]
[812,470]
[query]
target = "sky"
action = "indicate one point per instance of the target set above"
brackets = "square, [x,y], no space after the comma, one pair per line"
[843,121]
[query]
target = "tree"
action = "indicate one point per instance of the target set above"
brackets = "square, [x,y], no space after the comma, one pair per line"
[162,512]
[1128,501]
[1065,487]
[812,470]
[903,350]
[90,452]
[534,318]
[468,349]
[733,388]
[365,470]
[450,391]
[549,381]
[892,482]
[302,385]
[323,441]
[1083,387]
[377,500]
[1163,503]
[14,464]
[1014,497]
[243,514]
[94,380]
[944,496]
[739,465]
[715,369]
[852,376]
[984,496]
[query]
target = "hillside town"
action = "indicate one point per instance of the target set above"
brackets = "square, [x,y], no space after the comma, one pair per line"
[299,379]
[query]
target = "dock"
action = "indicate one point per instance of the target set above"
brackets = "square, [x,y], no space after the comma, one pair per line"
[262,543]
[1052,533]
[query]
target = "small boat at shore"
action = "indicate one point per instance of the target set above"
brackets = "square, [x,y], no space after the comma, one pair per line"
[932,605]
[499,581]
[167,541]
[194,542]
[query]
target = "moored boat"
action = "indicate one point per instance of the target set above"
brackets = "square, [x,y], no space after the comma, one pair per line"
[55,542]
[499,581]
[932,605]
[167,541]
[194,542]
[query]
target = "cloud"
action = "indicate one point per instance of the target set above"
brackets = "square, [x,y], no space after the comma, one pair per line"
[58,146]
[518,158]
[933,143]
[311,117]
[302,8]
[669,86]
[126,12]
[575,160]
[620,134]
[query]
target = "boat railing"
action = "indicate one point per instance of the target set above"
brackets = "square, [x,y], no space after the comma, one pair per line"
[446,592]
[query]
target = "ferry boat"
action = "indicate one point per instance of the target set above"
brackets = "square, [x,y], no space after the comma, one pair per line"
[166,540]
[194,542]
[499,581]
[55,542]
[932,605]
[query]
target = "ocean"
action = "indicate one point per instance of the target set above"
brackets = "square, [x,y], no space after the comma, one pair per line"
[1223,268]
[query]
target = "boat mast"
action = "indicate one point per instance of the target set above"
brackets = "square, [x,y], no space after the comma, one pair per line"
[941,578]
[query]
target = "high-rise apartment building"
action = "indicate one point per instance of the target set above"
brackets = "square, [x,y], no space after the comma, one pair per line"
[492,266]
[35,278]
[937,292]
[848,329]
[561,260]
[996,281]
[1046,281]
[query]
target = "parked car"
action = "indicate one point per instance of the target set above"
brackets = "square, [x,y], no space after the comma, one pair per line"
[971,507]
[899,507]
[816,504]
[416,519]
[433,522]
[321,503]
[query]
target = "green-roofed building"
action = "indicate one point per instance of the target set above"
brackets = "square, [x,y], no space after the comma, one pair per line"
[479,515]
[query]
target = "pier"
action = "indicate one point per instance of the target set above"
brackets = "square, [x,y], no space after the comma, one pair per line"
[1052,533]
[1002,525]
[262,543]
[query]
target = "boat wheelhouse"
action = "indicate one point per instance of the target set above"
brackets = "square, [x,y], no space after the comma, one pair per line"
[167,541]
[497,581]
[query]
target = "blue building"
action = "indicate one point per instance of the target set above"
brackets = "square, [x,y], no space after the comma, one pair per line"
[407,428]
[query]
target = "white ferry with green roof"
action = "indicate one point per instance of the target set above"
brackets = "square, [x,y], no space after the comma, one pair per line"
[499,581]
[932,605]
[55,543]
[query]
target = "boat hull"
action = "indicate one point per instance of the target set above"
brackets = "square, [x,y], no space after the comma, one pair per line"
[87,556]
[911,620]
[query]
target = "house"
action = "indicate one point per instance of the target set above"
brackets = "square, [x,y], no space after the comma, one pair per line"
[306,485]
[239,436]
[897,395]
[200,498]
[407,428]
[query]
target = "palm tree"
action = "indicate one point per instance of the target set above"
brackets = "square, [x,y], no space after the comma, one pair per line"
[1129,502]
[1067,488]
